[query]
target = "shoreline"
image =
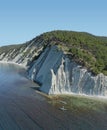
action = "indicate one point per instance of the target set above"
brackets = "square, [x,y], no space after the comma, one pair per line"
[10,62]
[59,94]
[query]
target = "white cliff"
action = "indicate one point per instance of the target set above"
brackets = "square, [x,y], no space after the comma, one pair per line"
[23,55]
[57,74]
[55,71]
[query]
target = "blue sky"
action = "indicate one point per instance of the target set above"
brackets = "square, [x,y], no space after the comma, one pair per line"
[22,20]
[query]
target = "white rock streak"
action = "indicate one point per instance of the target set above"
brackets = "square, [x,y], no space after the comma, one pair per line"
[55,72]
[58,74]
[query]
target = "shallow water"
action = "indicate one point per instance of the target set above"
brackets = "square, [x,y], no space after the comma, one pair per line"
[22,108]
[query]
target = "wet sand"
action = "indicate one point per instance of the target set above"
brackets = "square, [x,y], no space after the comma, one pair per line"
[22,108]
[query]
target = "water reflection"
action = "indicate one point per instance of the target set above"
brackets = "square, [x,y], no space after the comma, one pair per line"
[9,75]
[9,67]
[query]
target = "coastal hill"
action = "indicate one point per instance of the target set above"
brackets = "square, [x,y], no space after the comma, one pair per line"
[63,61]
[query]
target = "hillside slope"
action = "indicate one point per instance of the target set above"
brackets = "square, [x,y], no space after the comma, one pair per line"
[63,62]
[86,49]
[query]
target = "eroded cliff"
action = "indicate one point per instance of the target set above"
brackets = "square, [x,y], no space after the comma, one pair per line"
[53,69]
[58,74]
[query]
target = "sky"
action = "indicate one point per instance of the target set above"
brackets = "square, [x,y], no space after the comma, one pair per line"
[22,20]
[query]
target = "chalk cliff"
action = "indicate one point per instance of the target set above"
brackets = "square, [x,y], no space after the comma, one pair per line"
[22,54]
[58,74]
[54,70]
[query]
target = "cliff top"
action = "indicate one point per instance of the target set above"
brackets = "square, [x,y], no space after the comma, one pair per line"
[86,49]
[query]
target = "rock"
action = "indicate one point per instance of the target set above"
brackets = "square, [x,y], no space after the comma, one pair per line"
[63,109]
[58,74]
[55,71]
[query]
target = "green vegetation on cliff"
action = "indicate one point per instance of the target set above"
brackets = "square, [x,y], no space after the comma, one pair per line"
[86,49]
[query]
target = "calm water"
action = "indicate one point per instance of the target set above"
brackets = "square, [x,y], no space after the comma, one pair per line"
[21,108]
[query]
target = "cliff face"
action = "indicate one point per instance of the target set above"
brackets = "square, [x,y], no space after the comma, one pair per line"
[58,74]
[54,70]
[22,54]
